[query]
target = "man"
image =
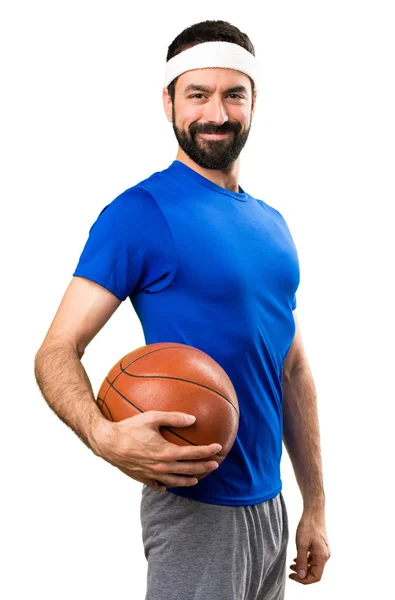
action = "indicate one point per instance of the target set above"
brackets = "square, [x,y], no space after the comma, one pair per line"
[204,264]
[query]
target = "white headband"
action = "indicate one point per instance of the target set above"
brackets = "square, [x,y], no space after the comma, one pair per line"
[208,55]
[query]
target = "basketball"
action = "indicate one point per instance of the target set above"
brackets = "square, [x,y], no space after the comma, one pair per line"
[174,377]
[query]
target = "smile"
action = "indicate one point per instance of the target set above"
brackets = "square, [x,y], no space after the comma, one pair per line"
[214,136]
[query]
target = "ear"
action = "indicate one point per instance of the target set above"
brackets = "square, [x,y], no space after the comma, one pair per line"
[253,104]
[167,105]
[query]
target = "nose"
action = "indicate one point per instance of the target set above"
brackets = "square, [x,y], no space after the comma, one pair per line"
[215,111]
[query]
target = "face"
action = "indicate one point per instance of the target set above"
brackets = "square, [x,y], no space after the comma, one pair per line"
[211,115]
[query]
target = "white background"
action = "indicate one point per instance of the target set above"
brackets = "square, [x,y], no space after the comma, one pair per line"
[82,120]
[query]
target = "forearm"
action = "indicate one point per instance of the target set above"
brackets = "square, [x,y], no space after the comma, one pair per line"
[65,386]
[301,435]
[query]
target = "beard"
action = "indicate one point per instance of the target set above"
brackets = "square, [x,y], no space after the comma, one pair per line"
[212,154]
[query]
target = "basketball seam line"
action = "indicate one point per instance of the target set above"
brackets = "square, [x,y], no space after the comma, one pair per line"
[103,402]
[170,377]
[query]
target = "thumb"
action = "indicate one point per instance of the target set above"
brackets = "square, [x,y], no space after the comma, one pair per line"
[301,561]
[174,418]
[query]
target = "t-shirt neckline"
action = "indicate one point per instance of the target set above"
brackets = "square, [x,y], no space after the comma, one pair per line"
[180,166]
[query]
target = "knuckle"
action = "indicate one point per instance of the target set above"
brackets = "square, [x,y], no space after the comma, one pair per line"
[303,545]
[152,415]
[163,455]
[189,470]
[323,556]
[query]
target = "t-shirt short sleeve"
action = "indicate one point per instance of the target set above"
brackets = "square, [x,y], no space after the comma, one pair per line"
[130,248]
[294,302]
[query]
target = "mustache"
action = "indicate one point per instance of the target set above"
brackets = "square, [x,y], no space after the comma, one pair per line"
[209,128]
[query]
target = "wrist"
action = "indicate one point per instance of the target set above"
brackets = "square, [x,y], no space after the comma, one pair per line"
[100,436]
[314,505]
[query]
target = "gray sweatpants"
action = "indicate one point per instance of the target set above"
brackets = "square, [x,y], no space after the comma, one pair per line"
[201,551]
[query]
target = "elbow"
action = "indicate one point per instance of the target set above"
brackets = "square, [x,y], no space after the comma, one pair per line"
[38,357]
[49,347]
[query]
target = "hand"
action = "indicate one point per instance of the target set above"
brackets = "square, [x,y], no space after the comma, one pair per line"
[137,448]
[312,547]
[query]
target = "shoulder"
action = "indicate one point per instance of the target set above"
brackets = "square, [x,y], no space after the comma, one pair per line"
[135,219]
[134,200]
[134,210]
[270,209]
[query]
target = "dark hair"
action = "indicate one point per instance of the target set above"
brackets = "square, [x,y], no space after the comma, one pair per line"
[207,31]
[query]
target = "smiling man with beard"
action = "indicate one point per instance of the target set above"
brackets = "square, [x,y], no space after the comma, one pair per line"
[209,145]
[204,264]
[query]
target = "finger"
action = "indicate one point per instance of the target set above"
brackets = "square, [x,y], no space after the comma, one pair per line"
[294,567]
[308,554]
[174,452]
[152,483]
[314,573]
[176,480]
[157,485]
[310,578]
[185,467]
[306,581]
[163,481]
[317,568]
[302,560]
[173,418]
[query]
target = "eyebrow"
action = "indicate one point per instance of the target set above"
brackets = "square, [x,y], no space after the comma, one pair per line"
[203,88]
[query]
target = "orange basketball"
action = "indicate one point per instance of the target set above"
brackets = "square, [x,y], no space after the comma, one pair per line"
[174,377]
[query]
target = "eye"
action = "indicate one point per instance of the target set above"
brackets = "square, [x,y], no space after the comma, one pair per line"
[202,95]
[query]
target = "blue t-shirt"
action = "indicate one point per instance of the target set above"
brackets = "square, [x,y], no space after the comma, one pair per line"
[217,270]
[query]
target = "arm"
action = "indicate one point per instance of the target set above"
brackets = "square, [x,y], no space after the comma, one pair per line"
[302,440]
[134,445]
[60,375]
[300,425]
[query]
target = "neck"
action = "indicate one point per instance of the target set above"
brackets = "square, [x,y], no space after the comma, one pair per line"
[227,178]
